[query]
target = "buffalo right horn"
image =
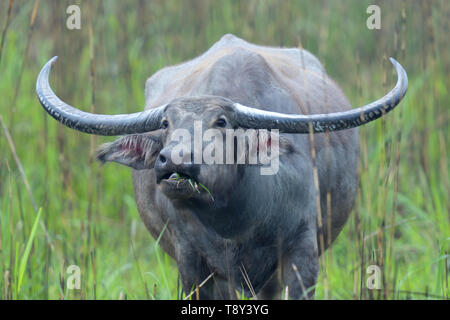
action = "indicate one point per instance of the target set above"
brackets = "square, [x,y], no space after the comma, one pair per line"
[106,125]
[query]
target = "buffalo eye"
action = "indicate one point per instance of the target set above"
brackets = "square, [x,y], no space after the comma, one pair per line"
[221,123]
[164,124]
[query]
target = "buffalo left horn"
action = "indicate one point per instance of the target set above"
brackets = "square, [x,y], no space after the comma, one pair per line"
[291,123]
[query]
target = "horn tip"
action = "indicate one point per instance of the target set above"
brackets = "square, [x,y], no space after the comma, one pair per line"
[50,62]
[53,60]
[393,61]
[400,70]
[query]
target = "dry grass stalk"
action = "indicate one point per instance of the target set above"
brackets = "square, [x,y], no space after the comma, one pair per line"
[5,28]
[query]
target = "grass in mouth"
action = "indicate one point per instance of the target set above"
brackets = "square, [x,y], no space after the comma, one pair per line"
[194,184]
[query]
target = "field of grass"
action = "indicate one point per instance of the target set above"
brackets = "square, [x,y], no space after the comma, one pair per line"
[58,207]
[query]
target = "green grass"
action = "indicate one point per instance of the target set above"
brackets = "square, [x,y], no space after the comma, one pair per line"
[23,261]
[195,185]
[89,217]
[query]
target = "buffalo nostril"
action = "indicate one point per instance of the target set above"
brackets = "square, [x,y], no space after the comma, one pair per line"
[162,158]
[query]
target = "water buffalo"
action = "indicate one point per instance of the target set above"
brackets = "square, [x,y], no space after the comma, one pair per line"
[228,224]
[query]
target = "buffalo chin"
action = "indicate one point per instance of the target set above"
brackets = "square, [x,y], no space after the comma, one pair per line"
[177,189]
[183,190]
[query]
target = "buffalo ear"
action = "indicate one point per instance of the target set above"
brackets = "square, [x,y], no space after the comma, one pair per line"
[138,151]
[285,145]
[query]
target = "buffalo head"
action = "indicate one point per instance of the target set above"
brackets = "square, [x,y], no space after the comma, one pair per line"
[152,137]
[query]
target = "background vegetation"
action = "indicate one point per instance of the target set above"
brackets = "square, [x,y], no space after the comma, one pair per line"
[88,214]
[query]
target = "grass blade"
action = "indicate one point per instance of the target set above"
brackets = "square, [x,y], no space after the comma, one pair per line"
[26,254]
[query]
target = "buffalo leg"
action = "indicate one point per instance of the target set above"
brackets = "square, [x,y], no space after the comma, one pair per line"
[300,268]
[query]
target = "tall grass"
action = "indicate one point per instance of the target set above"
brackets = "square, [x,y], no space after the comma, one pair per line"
[89,218]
